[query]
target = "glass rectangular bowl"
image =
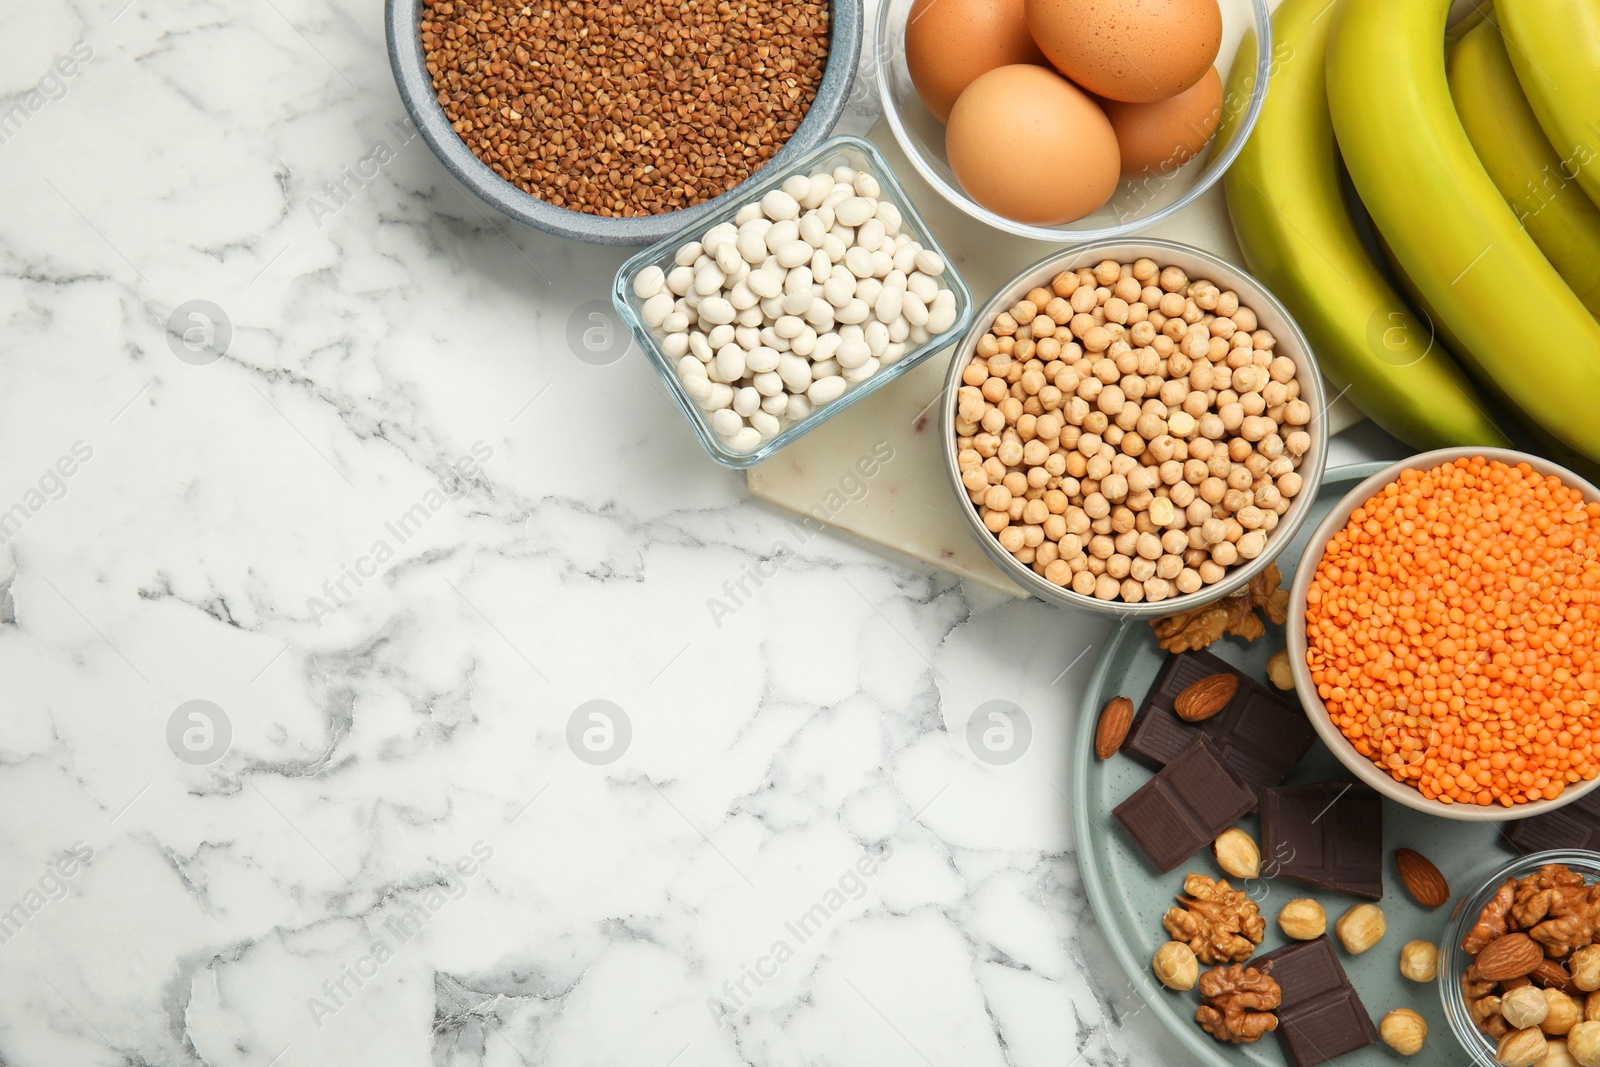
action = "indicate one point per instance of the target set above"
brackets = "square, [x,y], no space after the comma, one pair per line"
[837,151]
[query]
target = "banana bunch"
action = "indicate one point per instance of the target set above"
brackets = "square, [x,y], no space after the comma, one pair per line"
[1476,183]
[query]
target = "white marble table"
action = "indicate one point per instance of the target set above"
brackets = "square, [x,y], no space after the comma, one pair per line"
[399,534]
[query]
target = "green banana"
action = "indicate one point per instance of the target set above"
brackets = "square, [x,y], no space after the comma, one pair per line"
[1290,218]
[1557,215]
[1555,48]
[1521,328]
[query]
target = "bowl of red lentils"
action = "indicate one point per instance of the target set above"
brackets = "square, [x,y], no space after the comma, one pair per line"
[1443,631]
[620,123]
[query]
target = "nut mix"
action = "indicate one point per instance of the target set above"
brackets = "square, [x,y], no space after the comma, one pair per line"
[1532,948]
[814,288]
[625,109]
[1130,433]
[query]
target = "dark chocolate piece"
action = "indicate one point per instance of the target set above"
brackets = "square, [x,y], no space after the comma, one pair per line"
[1259,735]
[1575,826]
[1329,834]
[1321,1018]
[1184,807]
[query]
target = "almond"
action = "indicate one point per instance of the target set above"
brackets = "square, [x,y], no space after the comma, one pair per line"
[1206,697]
[1422,879]
[1551,975]
[1115,719]
[1509,956]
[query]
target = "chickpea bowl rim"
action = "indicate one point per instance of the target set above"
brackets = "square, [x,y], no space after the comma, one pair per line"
[1295,631]
[1253,294]
[1452,960]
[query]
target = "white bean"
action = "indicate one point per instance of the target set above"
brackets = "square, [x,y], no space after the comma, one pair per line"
[700,347]
[893,353]
[761,359]
[746,213]
[820,186]
[854,211]
[720,396]
[805,343]
[941,319]
[867,289]
[789,326]
[930,263]
[680,279]
[870,234]
[905,259]
[726,422]
[772,306]
[796,185]
[689,367]
[843,234]
[858,261]
[746,399]
[747,337]
[821,266]
[729,258]
[820,314]
[866,185]
[655,310]
[890,216]
[767,383]
[714,238]
[676,322]
[827,345]
[799,407]
[764,283]
[827,368]
[781,234]
[648,282]
[730,363]
[676,346]
[745,440]
[852,354]
[716,309]
[719,336]
[779,205]
[915,311]
[855,311]
[882,264]
[826,390]
[764,424]
[919,335]
[863,372]
[749,317]
[752,245]
[834,248]
[742,297]
[898,329]
[877,337]
[698,389]
[844,175]
[839,288]
[794,253]
[925,287]
[798,302]
[776,404]
[799,280]
[795,372]
[812,229]
[688,254]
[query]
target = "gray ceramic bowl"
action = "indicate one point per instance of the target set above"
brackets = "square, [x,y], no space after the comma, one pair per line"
[401,19]
[1197,264]
[1306,689]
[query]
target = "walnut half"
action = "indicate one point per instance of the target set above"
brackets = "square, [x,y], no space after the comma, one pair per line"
[1191,630]
[1238,1004]
[1218,922]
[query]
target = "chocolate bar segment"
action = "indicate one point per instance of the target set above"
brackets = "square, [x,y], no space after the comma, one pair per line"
[1184,807]
[1320,1017]
[1575,826]
[1258,734]
[1329,835]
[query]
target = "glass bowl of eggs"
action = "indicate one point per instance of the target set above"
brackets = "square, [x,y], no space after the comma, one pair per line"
[1073,120]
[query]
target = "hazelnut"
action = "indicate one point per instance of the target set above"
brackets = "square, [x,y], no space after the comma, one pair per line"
[1175,965]
[1360,928]
[1302,919]
[1556,1055]
[1419,960]
[1591,1008]
[1561,1012]
[1585,967]
[1524,1007]
[1404,1031]
[1523,1048]
[1278,670]
[1237,854]
[1583,1042]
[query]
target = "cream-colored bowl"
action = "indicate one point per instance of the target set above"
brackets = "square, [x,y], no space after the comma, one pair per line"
[1317,712]
[1196,264]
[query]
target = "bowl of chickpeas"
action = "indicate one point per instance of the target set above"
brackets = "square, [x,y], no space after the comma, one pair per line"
[1134,428]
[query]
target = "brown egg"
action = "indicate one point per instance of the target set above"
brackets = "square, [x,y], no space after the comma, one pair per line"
[1134,50]
[1159,138]
[951,42]
[1026,143]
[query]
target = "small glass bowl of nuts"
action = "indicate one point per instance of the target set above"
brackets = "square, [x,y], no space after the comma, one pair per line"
[1134,428]
[1519,965]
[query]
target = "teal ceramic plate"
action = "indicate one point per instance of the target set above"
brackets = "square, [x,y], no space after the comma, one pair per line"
[1129,898]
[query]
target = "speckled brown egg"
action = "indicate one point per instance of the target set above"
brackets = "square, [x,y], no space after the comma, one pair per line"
[1139,51]
[1159,138]
[951,42]
[1026,143]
